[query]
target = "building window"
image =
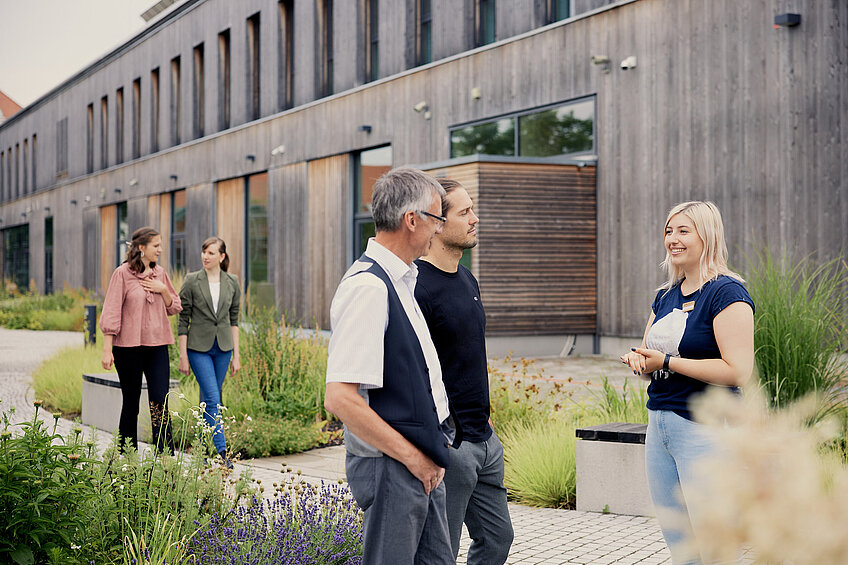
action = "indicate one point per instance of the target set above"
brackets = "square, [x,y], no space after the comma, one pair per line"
[9,185]
[558,10]
[119,125]
[154,110]
[256,196]
[136,118]
[3,195]
[197,87]
[327,46]
[89,139]
[48,255]
[425,33]
[25,167]
[61,147]
[565,129]
[122,232]
[372,40]
[286,55]
[224,80]
[16,255]
[17,170]
[253,99]
[485,22]
[178,229]
[104,133]
[369,165]
[34,162]
[176,101]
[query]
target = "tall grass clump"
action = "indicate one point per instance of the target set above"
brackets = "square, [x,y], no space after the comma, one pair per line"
[799,329]
[33,311]
[58,381]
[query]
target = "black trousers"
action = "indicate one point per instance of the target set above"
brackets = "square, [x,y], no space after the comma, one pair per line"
[130,363]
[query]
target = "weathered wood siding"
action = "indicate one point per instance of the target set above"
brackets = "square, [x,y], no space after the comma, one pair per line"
[288,240]
[108,229]
[328,200]
[230,222]
[536,260]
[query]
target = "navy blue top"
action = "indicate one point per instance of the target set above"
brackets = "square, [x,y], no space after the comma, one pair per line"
[454,312]
[689,335]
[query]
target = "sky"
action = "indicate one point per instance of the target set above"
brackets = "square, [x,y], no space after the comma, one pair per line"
[44,42]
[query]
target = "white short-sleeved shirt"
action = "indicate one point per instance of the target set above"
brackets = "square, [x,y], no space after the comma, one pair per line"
[359,316]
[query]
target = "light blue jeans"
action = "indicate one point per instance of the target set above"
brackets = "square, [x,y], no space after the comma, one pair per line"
[210,368]
[673,448]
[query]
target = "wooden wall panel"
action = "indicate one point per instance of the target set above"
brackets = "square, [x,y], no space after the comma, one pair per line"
[164,220]
[468,175]
[108,229]
[288,241]
[91,248]
[199,205]
[153,216]
[230,222]
[328,203]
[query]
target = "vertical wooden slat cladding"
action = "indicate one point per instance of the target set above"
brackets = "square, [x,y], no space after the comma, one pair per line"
[230,222]
[91,247]
[108,230]
[164,212]
[199,209]
[328,195]
[536,260]
[288,240]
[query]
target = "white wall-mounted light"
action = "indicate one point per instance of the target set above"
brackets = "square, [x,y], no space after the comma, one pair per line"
[476,93]
[133,182]
[628,63]
[421,106]
[278,150]
[603,61]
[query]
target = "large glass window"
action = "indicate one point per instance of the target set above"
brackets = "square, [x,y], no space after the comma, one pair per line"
[485,31]
[558,10]
[369,165]
[48,255]
[567,129]
[425,32]
[123,232]
[16,255]
[178,229]
[257,228]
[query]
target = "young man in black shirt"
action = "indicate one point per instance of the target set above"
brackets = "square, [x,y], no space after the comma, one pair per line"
[449,297]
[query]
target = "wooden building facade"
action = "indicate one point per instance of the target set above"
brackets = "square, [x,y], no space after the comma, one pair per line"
[720,106]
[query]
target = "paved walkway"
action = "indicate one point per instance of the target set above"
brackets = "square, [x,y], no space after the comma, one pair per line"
[541,535]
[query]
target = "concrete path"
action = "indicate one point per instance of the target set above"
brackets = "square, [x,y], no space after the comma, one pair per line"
[541,535]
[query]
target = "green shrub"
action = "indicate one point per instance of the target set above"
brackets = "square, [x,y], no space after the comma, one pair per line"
[540,462]
[800,325]
[264,435]
[59,311]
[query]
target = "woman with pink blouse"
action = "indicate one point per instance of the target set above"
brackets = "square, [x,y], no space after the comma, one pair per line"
[137,333]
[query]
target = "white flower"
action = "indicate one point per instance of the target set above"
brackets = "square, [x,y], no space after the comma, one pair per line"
[248,418]
[125,468]
[182,396]
[203,405]
[74,546]
[175,413]
[121,487]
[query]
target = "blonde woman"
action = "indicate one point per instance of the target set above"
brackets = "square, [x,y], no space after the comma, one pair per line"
[700,333]
[136,335]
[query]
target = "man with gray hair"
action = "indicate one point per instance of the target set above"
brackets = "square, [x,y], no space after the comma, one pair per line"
[384,380]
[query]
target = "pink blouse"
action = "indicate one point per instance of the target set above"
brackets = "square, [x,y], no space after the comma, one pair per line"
[135,316]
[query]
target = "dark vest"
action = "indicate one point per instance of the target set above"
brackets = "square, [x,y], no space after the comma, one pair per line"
[405,401]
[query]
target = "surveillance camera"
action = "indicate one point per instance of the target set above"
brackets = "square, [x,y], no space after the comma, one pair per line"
[279,150]
[628,63]
[420,107]
[600,59]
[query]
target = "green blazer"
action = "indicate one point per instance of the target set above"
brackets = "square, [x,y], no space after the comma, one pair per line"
[197,319]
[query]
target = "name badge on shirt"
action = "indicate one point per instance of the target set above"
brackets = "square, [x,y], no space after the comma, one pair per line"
[688,306]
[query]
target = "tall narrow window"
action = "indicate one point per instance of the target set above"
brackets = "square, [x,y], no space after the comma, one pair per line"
[178,229]
[224,80]
[176,101]
[3,196]
[25,167]
[425,32]
[286,55]
[369,165]
[104,134]
[119,125]
[16,255]
[327,45]
[17,170]
[253,100]
[485,20]
[89,139]
[9,186]
[257,228]
[48,255]
[372,40]
[34,162]
[154,110]
[122,232]
[136,118]
[198,92]
[558,10]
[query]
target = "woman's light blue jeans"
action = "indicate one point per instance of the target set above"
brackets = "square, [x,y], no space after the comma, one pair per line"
[210,368]
[674,446]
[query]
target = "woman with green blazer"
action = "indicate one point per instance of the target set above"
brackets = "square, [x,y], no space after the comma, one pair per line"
[208,331]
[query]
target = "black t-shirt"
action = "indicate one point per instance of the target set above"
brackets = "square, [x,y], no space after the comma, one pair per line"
[454,313]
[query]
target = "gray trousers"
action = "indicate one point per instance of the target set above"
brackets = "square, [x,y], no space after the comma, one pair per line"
[476,496]
[403,525]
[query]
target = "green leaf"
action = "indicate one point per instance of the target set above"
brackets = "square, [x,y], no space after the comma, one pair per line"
[23,555]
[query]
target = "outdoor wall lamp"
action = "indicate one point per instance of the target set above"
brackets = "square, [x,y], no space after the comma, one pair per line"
[73,201]
[366,128]
[278,150]
[421,107]
[47,208]
[118,191]
[476,93]
[251,158]
[133,182]
[174,178]
[603,61]
[786,20]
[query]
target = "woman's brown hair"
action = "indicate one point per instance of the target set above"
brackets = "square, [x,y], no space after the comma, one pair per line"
[222,248]
[141,236]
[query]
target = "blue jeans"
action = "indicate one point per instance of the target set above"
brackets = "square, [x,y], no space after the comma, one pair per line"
[210,368]
[673,448]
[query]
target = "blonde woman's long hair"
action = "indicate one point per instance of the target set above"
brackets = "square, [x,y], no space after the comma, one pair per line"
[710,228]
